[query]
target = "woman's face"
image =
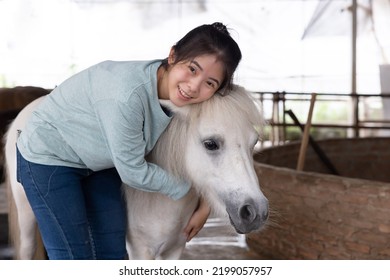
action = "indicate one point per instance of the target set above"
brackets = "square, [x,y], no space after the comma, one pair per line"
[192,81]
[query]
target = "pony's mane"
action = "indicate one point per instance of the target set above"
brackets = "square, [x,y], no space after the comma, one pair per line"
[170,149]
[236,104]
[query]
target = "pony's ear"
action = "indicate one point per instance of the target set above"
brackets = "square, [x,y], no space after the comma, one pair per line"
[178,111]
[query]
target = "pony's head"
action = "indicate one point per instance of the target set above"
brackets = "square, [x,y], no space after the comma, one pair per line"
[211,144]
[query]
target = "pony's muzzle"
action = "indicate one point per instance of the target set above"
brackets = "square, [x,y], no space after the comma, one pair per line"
[249,217]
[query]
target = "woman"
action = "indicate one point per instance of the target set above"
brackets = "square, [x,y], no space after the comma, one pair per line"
[92,132]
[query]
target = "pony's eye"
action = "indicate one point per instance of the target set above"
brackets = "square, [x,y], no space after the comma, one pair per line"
[210,145]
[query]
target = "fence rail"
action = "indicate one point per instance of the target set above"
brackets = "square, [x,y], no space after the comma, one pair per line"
[364,115]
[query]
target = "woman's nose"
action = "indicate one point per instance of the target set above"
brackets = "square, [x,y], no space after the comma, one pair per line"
[194,86]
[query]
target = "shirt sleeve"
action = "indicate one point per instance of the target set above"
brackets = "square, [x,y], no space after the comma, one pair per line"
[122,126]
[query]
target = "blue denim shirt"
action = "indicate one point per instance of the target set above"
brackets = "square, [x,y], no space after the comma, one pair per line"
[105,116]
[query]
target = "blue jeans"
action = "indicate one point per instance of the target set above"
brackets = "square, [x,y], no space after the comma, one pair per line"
[81,214]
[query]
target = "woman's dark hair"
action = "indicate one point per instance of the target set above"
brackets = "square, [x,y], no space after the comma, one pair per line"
[210,39]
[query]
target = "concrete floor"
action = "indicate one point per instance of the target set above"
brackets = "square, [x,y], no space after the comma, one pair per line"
[218,241]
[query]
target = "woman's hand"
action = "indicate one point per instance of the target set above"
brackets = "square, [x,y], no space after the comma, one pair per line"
[197,220]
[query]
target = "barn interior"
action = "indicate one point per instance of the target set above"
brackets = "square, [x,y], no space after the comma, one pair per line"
[319,70]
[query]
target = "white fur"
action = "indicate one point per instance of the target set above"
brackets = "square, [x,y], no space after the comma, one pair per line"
[26,241]
[224,177]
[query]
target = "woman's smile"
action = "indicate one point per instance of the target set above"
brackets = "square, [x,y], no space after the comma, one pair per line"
[183,94]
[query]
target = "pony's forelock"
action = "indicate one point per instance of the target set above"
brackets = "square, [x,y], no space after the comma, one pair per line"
[238,104]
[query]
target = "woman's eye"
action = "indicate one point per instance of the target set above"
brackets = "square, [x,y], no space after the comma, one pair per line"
[211,84]
[210,145]
[192,69]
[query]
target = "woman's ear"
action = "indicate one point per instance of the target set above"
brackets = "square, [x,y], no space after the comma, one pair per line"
[171,57]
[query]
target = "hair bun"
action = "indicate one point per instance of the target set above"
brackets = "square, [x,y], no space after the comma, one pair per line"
[220,27]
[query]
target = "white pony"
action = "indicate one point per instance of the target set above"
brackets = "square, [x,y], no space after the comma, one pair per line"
[210,144]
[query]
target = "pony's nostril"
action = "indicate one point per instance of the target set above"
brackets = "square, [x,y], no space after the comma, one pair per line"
[247,213]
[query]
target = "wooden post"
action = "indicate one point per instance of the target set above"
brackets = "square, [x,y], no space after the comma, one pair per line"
[305,137]
[321,154]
